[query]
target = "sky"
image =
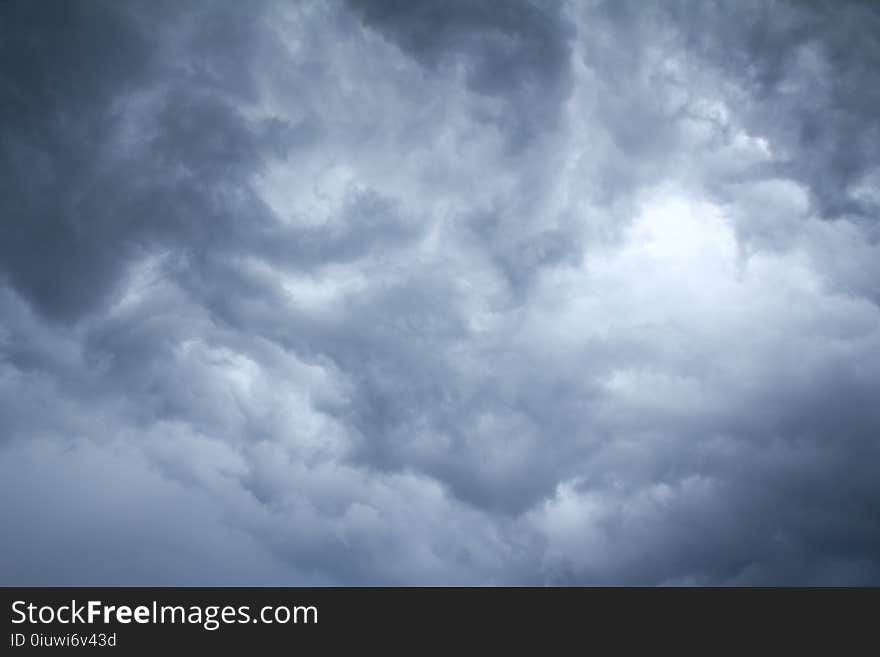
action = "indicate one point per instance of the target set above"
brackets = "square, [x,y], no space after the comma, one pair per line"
[423,292]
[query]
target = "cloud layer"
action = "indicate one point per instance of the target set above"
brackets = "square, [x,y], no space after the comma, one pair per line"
[439,293]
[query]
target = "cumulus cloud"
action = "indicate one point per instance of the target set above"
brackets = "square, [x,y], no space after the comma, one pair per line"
[439,293]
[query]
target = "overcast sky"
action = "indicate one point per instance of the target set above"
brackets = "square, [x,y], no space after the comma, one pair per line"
[396,292]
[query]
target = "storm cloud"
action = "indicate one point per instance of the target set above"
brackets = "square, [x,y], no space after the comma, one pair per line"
[498,293]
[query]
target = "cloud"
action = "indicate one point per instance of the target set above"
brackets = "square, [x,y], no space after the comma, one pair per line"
[439,293]
[517,52]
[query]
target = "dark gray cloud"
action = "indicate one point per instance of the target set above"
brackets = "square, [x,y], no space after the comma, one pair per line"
[516,51]
[807,70]
[439,293]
